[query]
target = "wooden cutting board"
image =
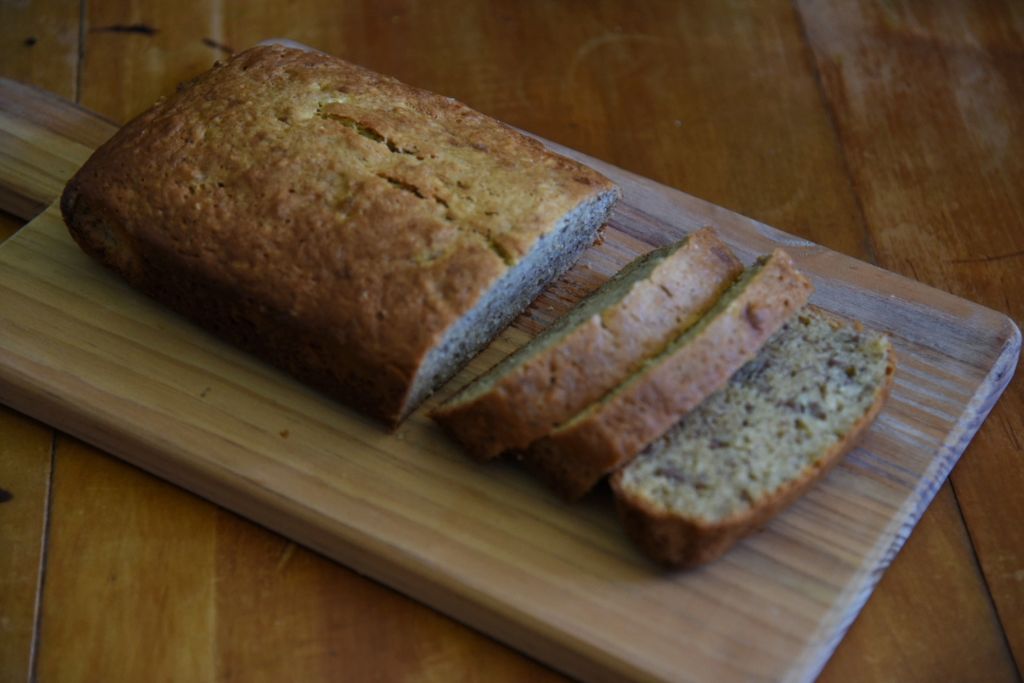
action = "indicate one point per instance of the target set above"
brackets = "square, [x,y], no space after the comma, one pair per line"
[486,544]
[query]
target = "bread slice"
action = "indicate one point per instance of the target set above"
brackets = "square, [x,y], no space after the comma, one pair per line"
[592,348]
[752,448]
[609,433]
[365,235]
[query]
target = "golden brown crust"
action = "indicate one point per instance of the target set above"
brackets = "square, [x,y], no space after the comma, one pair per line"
[606,436]
[556,383]
[679,542]
[329,218]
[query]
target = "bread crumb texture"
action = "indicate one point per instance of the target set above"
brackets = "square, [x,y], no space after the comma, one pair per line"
[775,421]
[594,347]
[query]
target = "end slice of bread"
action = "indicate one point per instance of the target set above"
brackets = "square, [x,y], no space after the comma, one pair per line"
[748,451]
[591,349]
[609,433]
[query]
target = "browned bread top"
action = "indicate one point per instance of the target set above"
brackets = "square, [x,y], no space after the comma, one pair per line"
[593,348]
[337,220]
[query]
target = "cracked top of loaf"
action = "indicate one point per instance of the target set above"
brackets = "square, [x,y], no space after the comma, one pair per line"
[317,195]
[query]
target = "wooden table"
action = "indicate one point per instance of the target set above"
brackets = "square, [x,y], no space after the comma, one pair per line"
[893,133]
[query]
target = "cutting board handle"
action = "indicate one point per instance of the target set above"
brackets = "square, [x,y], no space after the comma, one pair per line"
[46,139]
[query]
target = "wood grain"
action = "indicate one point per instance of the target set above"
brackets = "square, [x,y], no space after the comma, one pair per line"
[42,146]
[972,651]
[24,487]
[512,63]
[130,565]
[124,41]
[245,597]
[947,214]
[38,44]
[276,597]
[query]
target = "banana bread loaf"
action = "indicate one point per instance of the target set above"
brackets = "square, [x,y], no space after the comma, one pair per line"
[366,236]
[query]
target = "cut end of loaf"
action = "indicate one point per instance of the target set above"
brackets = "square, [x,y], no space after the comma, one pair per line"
[553,254]
[750,449]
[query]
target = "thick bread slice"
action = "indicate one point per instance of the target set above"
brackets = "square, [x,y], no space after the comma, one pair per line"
[752,448]
[592,348]
[609,433]
[365,235]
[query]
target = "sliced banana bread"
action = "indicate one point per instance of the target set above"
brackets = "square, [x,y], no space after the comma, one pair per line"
[607,434]
[591,349]
[753,447]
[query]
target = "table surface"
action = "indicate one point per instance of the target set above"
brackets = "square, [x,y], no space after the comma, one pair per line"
[891,131]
